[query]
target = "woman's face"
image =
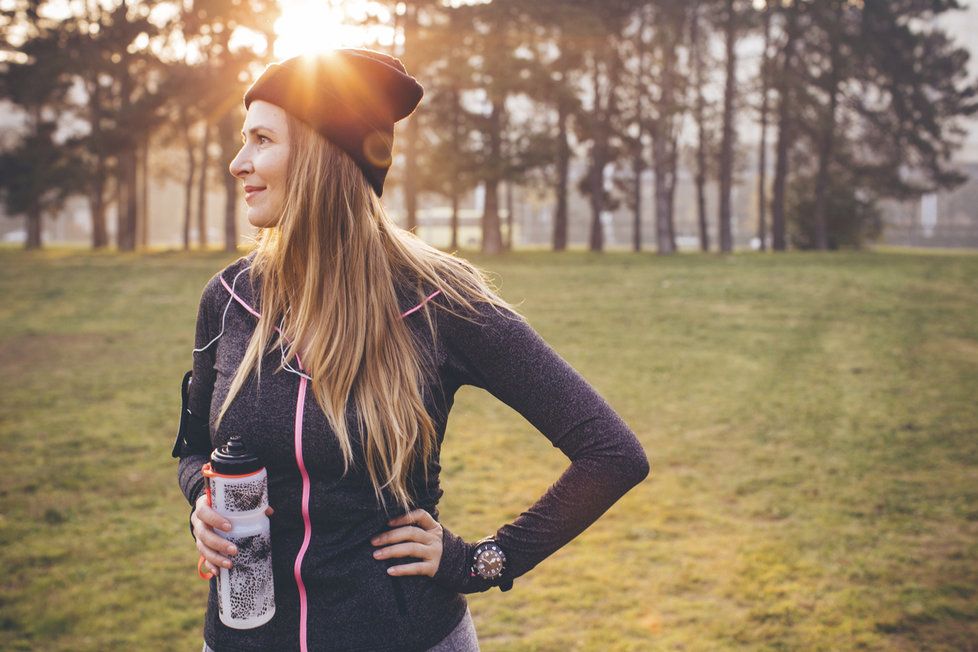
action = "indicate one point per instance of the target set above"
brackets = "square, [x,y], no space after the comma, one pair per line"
[261,162]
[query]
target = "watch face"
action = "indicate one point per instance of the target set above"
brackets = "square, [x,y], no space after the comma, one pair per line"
[489,563]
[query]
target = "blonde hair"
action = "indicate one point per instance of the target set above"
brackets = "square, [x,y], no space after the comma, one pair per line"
[328,268]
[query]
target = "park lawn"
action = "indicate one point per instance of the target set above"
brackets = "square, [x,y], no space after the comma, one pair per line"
[810,419]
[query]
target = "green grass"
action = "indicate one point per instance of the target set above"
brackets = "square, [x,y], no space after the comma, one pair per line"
[811,421]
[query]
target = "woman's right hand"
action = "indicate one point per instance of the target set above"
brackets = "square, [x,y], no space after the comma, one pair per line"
[210,544]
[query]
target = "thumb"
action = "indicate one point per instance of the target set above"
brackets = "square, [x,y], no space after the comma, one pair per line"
[269,511]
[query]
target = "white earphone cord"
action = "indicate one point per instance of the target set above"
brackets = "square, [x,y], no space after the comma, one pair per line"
[285,365]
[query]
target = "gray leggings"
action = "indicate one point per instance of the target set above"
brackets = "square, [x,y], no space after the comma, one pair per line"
[461,639]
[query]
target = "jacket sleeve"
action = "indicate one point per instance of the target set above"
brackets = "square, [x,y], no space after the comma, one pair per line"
[193,444]
[504,355]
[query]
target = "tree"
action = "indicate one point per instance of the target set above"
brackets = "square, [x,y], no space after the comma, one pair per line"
[914,93]
[37,177]
[730,21]
[215,83]
[37,174]
[850,216]
[698,53]
[446,159]
[670,21]
[499,72]
[635,118]
[762,144]
[554,84]
[785,85]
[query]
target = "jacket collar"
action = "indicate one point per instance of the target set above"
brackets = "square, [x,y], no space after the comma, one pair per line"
[243,287]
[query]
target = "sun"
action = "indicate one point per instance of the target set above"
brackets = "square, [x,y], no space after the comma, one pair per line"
[310,26]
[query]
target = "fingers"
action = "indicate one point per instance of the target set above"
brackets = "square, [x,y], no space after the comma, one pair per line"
[209,543]
[418,568]
[212,555]
[407,533]
[419,536]
[411,549]
[208,515]
[419,516]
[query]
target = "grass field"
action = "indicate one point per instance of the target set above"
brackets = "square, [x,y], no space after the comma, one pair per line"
[811,420]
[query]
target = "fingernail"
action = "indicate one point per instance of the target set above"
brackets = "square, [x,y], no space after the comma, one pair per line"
[376,553]
[227,563]
[390,571]
[227,526]
[232,550]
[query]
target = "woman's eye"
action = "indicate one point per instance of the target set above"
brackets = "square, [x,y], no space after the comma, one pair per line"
[260,137]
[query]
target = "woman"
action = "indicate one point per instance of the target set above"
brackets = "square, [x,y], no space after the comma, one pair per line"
[334,350]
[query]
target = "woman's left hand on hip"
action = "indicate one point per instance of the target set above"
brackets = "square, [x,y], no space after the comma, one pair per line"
[418,535]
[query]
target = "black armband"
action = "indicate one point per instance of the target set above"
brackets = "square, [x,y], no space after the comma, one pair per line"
[194,434]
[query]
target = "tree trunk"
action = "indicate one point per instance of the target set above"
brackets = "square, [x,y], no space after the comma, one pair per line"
[189,182]
[727,141]
[762,148]
[227,138]
[96,202]
[33,227]
[638,159]
[826,146]
[410,28]
[455,200]
[202,187]
[492,242]
[638,165]
[699,116]
[128,200]
[784,132]
[671,191]
[144,192]
[602,143]
[563,171]
[509,215]
[457,136]
[661,156]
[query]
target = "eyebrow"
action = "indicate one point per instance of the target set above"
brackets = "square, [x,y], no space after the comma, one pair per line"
[258,128]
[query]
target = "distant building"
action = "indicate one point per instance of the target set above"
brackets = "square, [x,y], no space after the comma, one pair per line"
[943,219]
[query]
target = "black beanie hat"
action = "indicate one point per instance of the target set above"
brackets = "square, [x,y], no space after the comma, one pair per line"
[352,97]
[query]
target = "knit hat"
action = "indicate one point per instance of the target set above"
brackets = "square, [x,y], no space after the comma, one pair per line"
[352,97]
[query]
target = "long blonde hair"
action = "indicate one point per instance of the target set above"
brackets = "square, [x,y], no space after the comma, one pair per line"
[328,269]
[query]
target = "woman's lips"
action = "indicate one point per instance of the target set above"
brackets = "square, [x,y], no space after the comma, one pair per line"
[252,193]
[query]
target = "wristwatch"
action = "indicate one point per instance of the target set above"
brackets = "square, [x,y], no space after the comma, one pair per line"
[488,559]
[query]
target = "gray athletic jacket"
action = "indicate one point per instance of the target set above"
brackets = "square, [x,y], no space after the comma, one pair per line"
[331,594]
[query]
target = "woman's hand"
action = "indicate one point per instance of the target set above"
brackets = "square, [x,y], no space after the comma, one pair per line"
[420,536]
[209,543]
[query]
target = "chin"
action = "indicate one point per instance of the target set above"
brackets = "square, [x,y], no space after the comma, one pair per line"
[259,221]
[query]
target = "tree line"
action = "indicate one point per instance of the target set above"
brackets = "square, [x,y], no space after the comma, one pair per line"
[854,101]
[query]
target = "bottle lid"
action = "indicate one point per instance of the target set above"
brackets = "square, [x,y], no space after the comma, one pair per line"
[233,458]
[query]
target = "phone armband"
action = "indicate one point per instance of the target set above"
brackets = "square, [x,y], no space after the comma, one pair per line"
[193,435]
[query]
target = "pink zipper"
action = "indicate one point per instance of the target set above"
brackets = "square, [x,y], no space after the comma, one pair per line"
[306,519]
[297,569]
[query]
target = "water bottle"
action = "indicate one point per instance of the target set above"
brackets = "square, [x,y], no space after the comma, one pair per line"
[237,488]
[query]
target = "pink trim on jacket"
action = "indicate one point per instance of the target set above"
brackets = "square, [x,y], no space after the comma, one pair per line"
[306,519]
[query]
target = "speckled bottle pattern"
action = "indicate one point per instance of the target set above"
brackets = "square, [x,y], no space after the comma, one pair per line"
[238,488]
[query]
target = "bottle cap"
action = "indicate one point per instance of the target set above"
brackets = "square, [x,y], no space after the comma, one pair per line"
[233,458]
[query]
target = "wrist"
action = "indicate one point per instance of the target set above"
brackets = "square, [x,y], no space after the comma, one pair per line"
[455,570]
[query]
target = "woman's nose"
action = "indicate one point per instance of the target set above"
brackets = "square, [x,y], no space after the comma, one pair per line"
[238,165]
